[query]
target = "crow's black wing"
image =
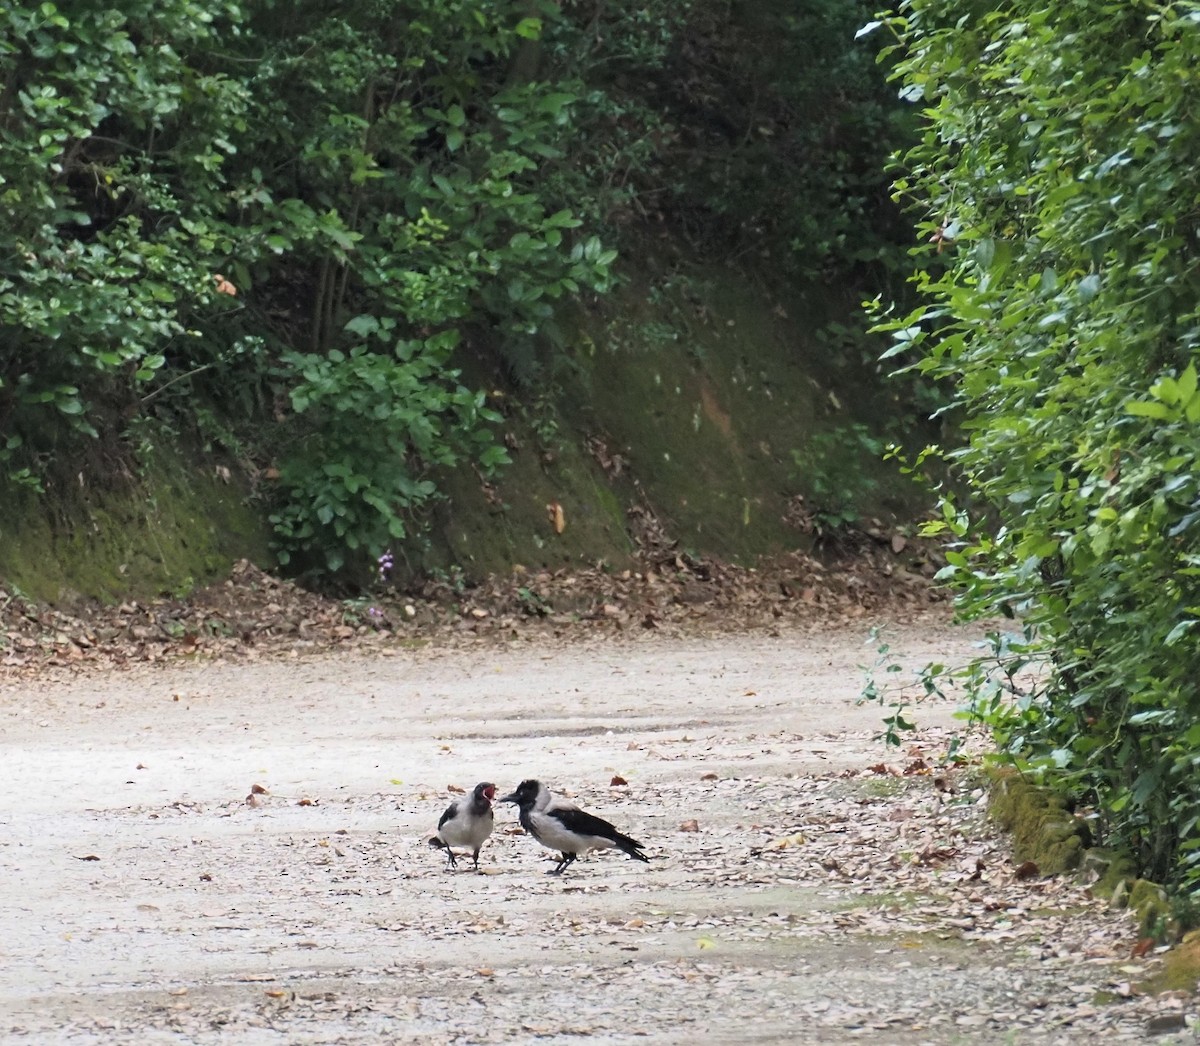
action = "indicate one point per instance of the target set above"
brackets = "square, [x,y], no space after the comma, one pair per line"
[449,815]
[580,822]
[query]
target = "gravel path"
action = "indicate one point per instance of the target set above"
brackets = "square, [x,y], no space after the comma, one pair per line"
[807,885]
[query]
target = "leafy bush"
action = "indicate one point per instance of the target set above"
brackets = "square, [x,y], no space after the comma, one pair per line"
[367,180]
[377,422]
[109,169]
[1059,179]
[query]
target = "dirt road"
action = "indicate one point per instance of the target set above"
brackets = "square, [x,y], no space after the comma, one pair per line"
[145,900]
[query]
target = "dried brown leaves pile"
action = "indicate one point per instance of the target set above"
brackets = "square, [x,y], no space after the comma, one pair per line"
[253,614]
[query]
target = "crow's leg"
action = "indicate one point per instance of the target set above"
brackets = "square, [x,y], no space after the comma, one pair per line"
[566,861]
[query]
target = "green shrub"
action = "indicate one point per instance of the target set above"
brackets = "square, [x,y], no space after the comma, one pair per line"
[1059,179]
[376,423]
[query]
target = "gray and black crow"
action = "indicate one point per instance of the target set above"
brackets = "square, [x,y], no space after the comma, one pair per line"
[560,825]
[467,823]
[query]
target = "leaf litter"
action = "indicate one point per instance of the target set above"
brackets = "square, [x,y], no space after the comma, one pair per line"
[252,614]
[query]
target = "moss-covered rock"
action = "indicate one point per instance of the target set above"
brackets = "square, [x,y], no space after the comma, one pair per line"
[1111,871]
[1153,908]
[1043,828]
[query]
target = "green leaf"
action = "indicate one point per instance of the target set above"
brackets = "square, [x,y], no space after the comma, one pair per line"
[1148,409]
[529,28]
[364,325]
[1187,384]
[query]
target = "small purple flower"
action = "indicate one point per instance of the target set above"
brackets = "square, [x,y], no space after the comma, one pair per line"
[384,565]
[374,612]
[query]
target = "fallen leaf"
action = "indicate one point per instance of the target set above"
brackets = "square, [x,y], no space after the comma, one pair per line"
[257,789]
[1142,947]
[456,790]
[690,826]
[89,857]
[708,777]
[617,781]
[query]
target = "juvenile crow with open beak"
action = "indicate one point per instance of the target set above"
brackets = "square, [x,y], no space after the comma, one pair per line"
[560,825]
[466,823]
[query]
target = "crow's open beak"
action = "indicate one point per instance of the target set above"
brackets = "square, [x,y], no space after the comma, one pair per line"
[510,798]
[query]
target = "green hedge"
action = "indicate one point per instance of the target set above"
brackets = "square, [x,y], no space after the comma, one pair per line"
[1059,179]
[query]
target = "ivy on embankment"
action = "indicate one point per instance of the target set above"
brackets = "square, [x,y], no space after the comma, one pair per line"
[1059,178]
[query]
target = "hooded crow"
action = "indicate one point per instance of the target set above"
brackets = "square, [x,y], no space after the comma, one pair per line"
[560,825]
[467,823]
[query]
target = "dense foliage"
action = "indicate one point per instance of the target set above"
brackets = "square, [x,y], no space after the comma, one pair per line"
[1060,178]
[784,126]
[284,228]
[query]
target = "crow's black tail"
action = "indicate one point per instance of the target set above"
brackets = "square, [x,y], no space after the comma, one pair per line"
[631,847]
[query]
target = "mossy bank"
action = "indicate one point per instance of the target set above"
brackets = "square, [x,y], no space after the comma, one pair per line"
[687,399]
